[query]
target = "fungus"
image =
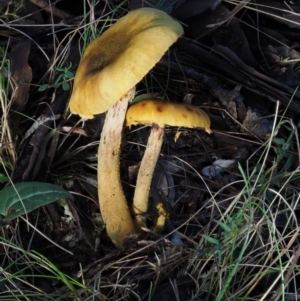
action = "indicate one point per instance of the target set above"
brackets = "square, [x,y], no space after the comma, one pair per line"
[158,114]
[105,80]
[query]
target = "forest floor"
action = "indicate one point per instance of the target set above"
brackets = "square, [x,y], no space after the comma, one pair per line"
[229,200]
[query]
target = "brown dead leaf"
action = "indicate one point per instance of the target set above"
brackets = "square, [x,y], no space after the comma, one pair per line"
[21,74]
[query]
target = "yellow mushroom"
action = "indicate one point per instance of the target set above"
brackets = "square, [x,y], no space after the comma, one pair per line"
[105,80]
[158,114]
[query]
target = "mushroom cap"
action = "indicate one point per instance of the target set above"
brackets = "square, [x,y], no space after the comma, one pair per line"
[117,60]
[166,113]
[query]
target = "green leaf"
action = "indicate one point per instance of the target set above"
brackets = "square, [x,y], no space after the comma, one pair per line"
[61,69]
[211,239]
[279,141]
[58,79]
[65,86]
[288,163]
[43,87]
[25,197]
[223,226]
[69,74]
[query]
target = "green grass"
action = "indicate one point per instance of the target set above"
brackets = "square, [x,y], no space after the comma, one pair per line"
[249,244]
[24,269]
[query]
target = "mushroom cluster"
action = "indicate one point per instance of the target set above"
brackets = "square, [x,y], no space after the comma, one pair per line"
[105,79]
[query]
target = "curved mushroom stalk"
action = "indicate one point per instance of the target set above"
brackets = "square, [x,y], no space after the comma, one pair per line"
[114,209]
[145,174]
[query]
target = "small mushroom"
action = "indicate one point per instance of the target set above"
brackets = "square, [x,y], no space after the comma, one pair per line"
[105,80]
[158,114]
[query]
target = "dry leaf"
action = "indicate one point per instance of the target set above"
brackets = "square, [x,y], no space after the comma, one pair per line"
[21,74]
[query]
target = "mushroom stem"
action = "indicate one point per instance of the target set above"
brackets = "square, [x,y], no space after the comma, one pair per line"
[145,174]
[114,209]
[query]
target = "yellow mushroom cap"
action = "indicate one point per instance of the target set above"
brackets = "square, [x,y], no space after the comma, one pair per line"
[167,113]
[120,58]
